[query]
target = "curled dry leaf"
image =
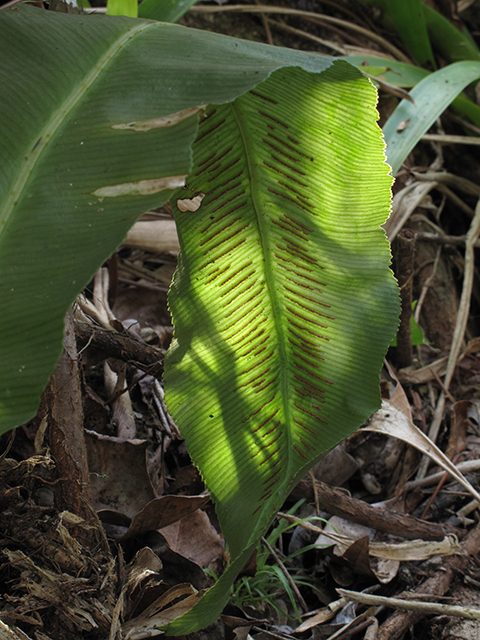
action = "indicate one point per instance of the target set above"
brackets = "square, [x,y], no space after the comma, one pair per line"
[392,422]
[110,461]
[322,615]
[159,613]
[402,551]
[191,204]
[194,537]
[153,235]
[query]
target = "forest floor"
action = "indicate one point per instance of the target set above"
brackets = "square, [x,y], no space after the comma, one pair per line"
[375,518]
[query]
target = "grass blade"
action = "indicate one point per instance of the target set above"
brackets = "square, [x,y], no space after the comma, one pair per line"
[409,19]
[431,96]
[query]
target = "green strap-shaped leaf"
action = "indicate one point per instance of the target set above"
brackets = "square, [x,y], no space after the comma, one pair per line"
[431,96]
[404,75]
[283,301]
[444,36]
[164,10]
[122,8]
[409,19]
[85,148]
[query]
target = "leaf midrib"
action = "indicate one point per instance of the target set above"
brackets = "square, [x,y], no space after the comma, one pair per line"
[269,279]
[47,135]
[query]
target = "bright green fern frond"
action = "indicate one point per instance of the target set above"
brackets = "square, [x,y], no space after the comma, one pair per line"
[283,301]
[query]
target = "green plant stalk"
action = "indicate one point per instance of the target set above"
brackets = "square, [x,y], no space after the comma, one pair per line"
[409,19]
[127,8]
[164,10]
[453,45]
[431,96]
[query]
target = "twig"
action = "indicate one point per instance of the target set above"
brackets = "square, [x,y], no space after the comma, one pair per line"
[464,467]
[338,503]
[412,605]
[405,252]
[249,8]
[404,204]
[455,199]
[462,316]
[309,36]
[121,346]
[456,241]
[467,186]
[459,332]
[289,578]
[449,139]
[426,286]
[399,622]
[266,26]
[432,433]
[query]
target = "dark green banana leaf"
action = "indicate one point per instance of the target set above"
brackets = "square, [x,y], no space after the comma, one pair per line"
[283,301]
[71,86]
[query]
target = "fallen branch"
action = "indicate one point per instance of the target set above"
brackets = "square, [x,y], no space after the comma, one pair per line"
[340,504]
[400,622]
[121,346]
[411,605]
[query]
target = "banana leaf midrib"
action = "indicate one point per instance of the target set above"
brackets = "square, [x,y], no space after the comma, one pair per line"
[62,113]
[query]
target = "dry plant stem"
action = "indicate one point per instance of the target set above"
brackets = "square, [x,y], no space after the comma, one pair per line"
[339,32]
[448,139]
[335,4]
[462,184]
[426,285]
[292,584]
[462,317]
[456,241]
[404,270]
[412,605]
[465,124]
[248,8]
[266,26]
[67,443]
[432,433]
[121,346]
[404,204]
[464,467]
[400,622]
[460,326]
[338,503]
[344,50]
[309,36]
[455,199]
[156,288]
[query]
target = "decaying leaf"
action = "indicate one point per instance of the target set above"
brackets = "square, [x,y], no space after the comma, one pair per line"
[391,421]
[140,188]
[190,204]
[163,121]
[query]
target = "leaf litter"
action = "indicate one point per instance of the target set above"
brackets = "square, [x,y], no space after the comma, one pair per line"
[151,502]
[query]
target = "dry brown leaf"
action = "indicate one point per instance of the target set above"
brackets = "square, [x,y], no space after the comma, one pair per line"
[159,614]
[323,615]
[158,236]
[195,538]
[392,422]
[162,512]
[118,473]
[432,371]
